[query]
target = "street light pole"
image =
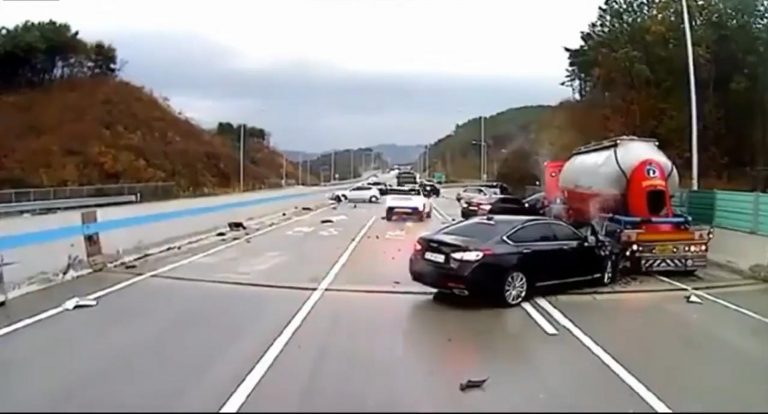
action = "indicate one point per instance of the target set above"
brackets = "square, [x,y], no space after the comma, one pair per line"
[242,153]
[482,148]
[284,169]
[426,169]
[301,161]
[351,164]
[692,87]
[333,165]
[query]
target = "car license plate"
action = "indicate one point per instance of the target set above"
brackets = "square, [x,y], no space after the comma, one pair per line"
[665,249]
[434,257]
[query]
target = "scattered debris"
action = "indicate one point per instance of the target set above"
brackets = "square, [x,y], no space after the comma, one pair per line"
[221,234]
[236,225]
[397,282]
[284,214]
[470,383]
[354,205]
[131,265]
[377,237]
[76,302]
[306,208]
[327,221]
[693,299]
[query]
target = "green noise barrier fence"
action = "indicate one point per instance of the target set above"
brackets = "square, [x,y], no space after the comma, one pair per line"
[733,210]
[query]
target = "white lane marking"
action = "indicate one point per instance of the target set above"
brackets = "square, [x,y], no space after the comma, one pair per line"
[55,311]
[299,231]
[629,379]
[715,299]
[241,393]
[440,212]
[333,231]
[539,319]
[396,234]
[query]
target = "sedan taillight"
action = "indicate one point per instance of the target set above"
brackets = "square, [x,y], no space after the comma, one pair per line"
[470,256]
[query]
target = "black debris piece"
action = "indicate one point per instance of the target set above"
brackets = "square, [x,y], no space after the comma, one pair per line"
[354,206]
[377,237]
[307,208]
[470,383]
[131,266]
[221,234]
[396,282]
[284,213]
[326,221]
[236,226]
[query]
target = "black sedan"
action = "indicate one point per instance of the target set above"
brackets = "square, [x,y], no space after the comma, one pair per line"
[506,256]
[497,205]
[430,189]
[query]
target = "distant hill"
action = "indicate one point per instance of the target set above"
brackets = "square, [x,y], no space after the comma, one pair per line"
[297,156]
[459,158]
[104,130]
[399,154]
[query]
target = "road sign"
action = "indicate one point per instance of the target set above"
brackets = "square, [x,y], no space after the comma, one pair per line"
[439,177]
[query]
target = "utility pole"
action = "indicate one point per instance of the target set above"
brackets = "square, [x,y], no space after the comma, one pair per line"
[301,161]
[482,149]
[351,164]
[242,154]
[427,163]
[333,165]
[284,169]
[309,172]
[692,87]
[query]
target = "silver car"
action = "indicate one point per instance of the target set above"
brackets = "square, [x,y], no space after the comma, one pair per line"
[470,193]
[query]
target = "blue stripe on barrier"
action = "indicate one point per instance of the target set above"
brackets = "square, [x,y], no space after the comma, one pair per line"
[13,241]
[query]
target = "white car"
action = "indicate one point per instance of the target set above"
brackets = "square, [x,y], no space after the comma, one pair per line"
[358,193]
[407,200]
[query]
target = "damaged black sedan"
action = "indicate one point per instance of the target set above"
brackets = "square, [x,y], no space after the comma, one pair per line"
[506,256]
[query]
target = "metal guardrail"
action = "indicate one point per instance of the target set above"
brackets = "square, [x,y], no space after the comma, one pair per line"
[37,206]
[147,191]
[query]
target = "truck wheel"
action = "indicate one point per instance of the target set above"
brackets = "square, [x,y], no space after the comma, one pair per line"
[513,289]
[388,215]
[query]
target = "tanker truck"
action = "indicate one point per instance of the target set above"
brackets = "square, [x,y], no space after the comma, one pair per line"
[624,186]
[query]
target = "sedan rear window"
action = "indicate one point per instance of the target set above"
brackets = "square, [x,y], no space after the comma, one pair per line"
[481,230]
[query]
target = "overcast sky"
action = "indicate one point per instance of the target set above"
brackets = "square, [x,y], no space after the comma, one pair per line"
[322,74]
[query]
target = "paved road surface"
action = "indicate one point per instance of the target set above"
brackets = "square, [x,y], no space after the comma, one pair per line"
[323,317]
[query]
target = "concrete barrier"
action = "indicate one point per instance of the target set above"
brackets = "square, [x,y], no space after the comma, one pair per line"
[40,250]
[741,252]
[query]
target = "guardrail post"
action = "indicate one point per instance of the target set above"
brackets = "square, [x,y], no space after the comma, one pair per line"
[755,212]
[3,292]
[92,241]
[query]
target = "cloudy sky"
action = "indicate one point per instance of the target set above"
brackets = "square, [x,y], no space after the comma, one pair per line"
[324,74]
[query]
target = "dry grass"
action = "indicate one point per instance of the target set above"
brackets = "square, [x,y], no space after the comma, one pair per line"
[103,131]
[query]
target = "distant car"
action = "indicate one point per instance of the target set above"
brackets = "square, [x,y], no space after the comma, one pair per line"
[430,189]
[497,205]
[469,193]
[497,188]
[506,256]
[407,200]
[360,193]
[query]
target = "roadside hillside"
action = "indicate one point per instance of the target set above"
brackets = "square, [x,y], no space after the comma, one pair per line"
[102,130]
[457,156]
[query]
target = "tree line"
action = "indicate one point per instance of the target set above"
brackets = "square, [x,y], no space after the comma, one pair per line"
[629,75]
[34,54]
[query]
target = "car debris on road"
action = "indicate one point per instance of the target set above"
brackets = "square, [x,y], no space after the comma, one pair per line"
[472,383]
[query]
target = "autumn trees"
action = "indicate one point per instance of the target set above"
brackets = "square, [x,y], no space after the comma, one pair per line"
[632,68]
[36,54]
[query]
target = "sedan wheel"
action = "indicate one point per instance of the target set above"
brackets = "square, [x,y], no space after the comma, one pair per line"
[374,199]
[515,288]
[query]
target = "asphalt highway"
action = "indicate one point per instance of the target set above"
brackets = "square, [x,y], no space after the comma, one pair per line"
[318,313]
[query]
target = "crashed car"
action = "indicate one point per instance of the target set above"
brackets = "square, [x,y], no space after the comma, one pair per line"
[497,205]
[407,201]
[505,257]
[360,193]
